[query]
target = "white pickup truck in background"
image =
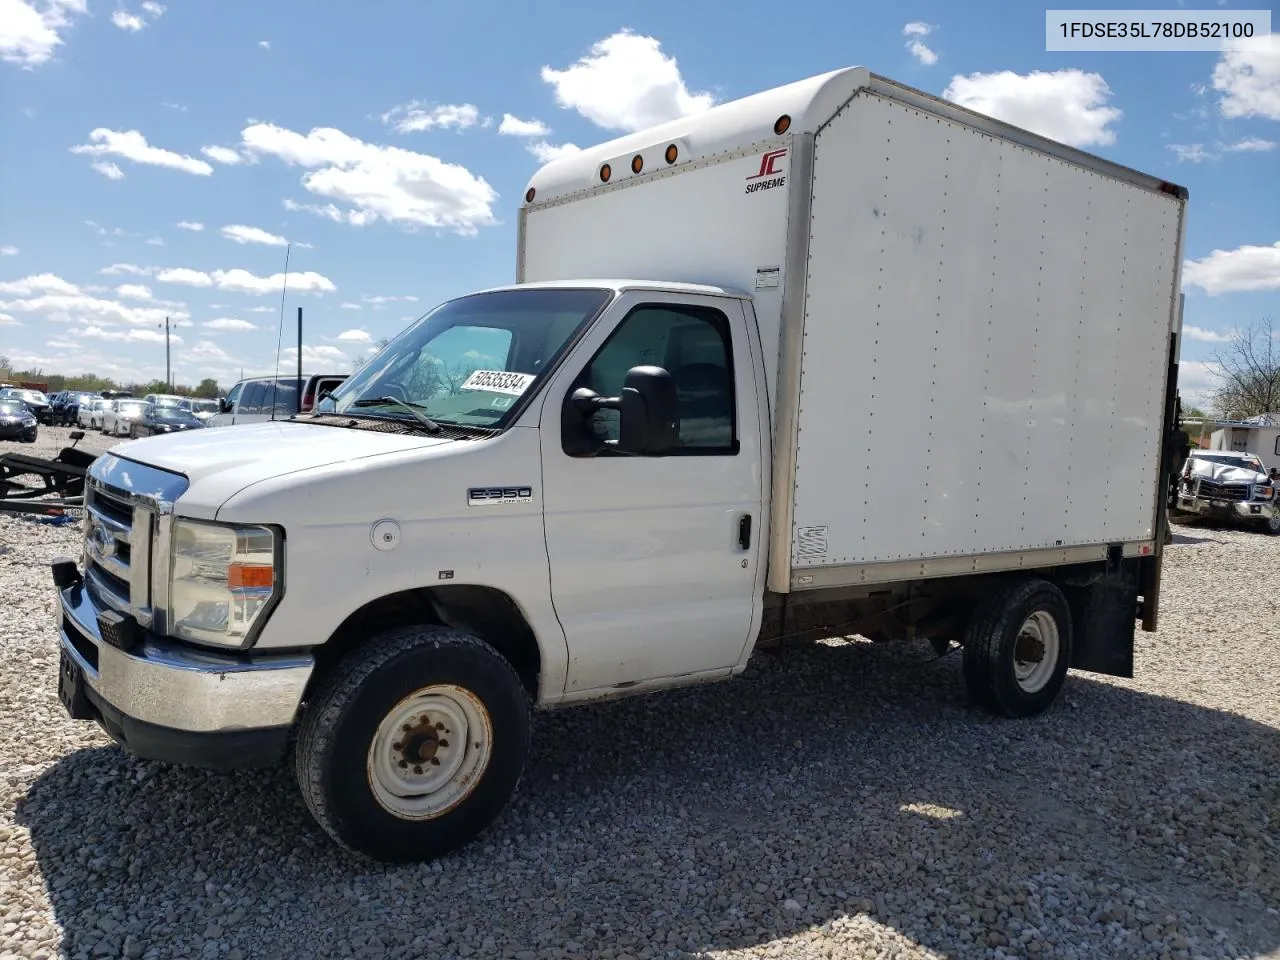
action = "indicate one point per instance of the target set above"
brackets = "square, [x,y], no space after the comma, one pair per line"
[695,425]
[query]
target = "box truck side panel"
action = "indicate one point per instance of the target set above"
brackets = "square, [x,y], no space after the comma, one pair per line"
[719,222]
[985,344]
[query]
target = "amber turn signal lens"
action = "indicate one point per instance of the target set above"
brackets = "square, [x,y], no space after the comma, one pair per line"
[637,163]
[605,173]
[672,153]
[242,575]
[782,124]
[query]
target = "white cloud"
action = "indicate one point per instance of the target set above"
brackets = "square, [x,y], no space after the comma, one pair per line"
[546,152]
[137,334]
[79,308]
[1190,152]
[223,155]
[242,281]
[350,306]
[29,31]
[1203,335]
[155,242]
[625,82]
[377,182]
[416,116]
[355,336]
[108,169]
[181,108]
[9,251]
[152,8]
[128,21]
[1067,105]
[39,283]
[8,321]
[922,52]
[190,225]
[915,30]
[134,291]
[1252,145]
[265,44]
[242,234]
[132,145]
[184,276]
[208,350]
[116,269]
[229,324]
[1249,81]
[1198,382]
[382,299]
[323,356]
[515,127]
[1246,268]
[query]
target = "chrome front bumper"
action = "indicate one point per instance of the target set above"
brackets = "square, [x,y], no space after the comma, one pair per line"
[165,684]
[1237,509]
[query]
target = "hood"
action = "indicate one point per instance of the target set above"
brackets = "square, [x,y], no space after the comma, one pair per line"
[1224,472]
[257,451]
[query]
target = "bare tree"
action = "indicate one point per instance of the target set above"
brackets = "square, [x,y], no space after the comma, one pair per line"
[1248,372]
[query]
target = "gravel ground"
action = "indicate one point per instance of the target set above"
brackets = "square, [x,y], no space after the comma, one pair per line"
[837,801]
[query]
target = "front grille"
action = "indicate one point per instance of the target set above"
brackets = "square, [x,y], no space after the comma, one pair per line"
[1212,490]
[117,538]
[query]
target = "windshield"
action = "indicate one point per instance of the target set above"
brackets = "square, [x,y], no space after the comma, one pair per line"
[11,408]
[34,396]
[469,361]
[1233,460]
[168,401]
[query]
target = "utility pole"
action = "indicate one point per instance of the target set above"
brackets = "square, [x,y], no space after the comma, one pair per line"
[300,384]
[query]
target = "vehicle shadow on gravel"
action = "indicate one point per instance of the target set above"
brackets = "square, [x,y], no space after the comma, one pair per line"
[837,797]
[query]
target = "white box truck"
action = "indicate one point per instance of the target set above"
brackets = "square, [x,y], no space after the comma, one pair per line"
[861,358]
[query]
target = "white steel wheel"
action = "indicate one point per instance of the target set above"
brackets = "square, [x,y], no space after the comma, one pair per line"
[429,752]
[1017,648]
[1036,652]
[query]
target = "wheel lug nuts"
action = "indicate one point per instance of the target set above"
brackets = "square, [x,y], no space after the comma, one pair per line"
[417,769]
[397,746]
[439,726]
[435,761]
[403,764]
[406,728]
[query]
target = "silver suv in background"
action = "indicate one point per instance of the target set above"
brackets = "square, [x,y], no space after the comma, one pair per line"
[259,398]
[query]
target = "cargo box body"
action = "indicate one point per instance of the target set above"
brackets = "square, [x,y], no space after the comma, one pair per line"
[967,328]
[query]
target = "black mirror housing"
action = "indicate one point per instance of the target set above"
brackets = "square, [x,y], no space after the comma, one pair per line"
[650,420]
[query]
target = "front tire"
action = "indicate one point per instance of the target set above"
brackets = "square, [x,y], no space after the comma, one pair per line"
[1272,525]
[1017,649]
[413,744]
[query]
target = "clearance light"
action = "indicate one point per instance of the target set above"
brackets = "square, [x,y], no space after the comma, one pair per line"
[637,163]
[528,195]
[672,153]
[782,124]
[605,173]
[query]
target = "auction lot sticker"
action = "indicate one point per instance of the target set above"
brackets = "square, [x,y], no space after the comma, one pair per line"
[499,381]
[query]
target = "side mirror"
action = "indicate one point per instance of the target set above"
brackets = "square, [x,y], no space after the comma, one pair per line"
[223,406]
[650,421]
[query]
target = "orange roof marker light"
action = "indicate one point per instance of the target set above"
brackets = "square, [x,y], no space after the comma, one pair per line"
[528,195]
[672,153]
[605,173]
[637,163]
[782,125]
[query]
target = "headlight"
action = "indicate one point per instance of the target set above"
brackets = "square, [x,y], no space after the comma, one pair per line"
[223,579]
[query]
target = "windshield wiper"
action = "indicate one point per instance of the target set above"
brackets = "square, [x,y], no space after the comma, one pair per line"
[431,425]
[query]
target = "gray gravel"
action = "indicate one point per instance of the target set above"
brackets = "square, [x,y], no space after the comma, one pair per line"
[836,801]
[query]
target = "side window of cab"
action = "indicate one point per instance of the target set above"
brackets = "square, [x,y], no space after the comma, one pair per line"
[693,344]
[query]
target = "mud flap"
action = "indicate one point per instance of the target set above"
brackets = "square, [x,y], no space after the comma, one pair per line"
[1104,611]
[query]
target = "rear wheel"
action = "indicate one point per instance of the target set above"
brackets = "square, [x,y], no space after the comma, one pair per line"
[1018,648]
[413,744]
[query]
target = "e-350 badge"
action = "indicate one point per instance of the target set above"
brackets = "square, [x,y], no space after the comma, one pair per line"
[484,496]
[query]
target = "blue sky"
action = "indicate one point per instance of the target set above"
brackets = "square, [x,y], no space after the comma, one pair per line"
[390,143]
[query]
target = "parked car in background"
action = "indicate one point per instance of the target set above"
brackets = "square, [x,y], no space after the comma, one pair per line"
[164,399]
[89,416]
[69,412]
[17,422]
[35,401]
[259,398]
[118,418]
[56,402]
[1227,485]
[165,418]
[202,410]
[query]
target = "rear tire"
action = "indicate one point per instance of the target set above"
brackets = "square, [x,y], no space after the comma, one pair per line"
[1017,649]
[413,744]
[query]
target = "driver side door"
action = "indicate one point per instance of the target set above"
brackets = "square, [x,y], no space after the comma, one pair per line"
[654,559]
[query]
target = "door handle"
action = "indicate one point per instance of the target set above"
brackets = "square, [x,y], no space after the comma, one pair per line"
[744,531]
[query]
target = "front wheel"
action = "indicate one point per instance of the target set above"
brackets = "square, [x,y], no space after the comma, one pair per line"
[1272,524]
[1018,647]
[413,744]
